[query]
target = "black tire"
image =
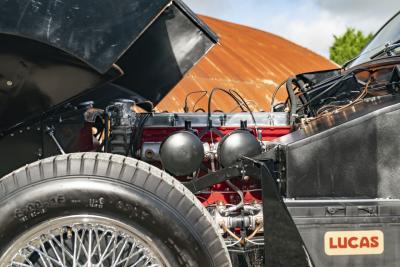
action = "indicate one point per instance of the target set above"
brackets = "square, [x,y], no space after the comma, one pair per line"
[115,187]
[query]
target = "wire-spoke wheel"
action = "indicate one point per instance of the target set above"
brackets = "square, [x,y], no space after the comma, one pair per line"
[83,241]
[103,210]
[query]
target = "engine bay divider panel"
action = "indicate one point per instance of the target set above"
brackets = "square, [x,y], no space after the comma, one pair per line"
[353,153]
[284,245]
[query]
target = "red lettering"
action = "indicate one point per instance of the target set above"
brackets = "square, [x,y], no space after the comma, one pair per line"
[342,243]
[331,245]
[351,242]
[374,241]
[364,242]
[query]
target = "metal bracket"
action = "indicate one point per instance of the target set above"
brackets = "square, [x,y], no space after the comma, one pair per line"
[50,132]
[222,175]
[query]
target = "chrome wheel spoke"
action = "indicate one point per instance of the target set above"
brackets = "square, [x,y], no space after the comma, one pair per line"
[85,245]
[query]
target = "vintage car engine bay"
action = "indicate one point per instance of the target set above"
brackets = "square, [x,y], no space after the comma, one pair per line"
[279,188]
[202,150]
[192,145]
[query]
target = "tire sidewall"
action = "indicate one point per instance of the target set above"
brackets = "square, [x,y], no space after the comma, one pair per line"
[101,196]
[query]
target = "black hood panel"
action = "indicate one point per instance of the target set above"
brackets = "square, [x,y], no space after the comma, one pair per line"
[163,54]
[98,32]
[60,49]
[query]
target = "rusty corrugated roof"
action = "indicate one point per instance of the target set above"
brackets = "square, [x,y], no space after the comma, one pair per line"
[247,60]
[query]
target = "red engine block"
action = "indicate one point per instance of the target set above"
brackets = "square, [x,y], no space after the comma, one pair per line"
[221,192]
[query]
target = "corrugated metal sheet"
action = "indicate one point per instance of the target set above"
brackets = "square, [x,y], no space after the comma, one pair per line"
[247,60]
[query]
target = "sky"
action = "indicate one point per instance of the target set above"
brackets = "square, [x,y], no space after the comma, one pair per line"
[310,23]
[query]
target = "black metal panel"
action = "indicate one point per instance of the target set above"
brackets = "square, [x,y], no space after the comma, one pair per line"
[196,20]
[20,148]
[26,144]
[98,32]
[169,48]
[284,245]
[163,54]
[317,77]
[39,75]
[35,77]
[315,218]
[350,154]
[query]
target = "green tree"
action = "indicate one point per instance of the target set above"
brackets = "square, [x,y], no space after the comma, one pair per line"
[348,45]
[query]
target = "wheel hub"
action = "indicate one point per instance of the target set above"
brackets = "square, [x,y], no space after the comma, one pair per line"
[83,241]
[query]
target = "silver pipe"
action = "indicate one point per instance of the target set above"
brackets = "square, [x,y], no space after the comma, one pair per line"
[240,193]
